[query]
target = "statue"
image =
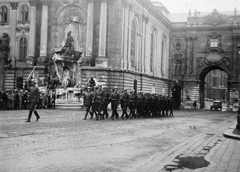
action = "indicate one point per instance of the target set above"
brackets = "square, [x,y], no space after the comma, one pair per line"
[68,47]
[4,48]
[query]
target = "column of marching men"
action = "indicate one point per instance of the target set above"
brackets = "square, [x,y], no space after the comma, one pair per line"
[19,99]
[141,105]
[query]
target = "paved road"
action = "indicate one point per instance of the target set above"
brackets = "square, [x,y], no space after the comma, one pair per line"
[62,141]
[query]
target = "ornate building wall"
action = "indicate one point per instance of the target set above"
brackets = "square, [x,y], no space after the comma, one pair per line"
[202,44]
[130,37]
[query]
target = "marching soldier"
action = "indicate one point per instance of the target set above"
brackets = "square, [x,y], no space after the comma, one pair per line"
[133,99]
[141,104]
[148,105]
[94,103]
[87,101]
[154,105]
[124,103]
[34,99]
[99,102]
[115,98]
[171,106]
[106,101]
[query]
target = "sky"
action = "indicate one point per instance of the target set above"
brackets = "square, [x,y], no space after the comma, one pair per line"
[183,6]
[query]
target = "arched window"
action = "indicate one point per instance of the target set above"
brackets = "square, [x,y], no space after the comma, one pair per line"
[23,49]
[24,13]
[3,13]
[133,44]
[162,55]
[152,52]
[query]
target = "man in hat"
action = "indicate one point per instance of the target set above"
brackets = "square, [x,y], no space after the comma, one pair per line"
[115,98]
[87,101]
[106,101]
[34,99]
[133,100]
[98,97]
[124,103]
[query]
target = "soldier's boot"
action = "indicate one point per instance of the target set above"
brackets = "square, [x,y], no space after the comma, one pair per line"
[85,117]
[117,115]
[122,117]
[91,113]
[29,116]
[37,115]
[112,116]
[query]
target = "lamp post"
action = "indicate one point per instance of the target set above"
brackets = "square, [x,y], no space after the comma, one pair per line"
[238,115]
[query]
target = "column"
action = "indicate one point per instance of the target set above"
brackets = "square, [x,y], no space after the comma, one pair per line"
[139,67]
[101,60]
[32,32]
[13,24]
[234,67]
[126,36]
[130,20]
[44,32]
[89,39]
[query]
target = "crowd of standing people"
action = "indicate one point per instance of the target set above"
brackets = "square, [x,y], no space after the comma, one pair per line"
[19,99]
[140,105]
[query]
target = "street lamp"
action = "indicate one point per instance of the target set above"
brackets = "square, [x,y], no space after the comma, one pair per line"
[238,115]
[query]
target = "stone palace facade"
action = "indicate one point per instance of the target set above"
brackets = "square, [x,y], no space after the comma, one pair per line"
[123,43]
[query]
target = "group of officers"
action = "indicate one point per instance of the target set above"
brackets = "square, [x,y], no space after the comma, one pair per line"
[97,99]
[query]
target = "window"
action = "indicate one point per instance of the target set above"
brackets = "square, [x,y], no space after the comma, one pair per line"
[3,14]
[162,55]
[23,49]
[152,52]
[214,81]
[24,13]
[133,44]
[214,42]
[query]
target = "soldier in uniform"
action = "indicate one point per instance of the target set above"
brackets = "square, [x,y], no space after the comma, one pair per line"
[87,101]
[148,105]
[171,106]
[106,101]
[98,97]
[167,104]
[154,108]
[34,99]
[124,103]
[141,104]
[133,100]
[94,104]
[115,98]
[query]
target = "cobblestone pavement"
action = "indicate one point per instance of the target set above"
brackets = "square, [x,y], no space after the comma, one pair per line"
[61,141]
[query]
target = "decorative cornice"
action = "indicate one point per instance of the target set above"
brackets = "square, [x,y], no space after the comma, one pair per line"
[14,5]
[33,2]
[45,2]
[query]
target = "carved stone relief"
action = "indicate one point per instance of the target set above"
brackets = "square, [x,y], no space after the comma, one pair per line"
[215,18]
[177,61]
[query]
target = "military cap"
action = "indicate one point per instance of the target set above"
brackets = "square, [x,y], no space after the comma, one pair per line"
[115,88]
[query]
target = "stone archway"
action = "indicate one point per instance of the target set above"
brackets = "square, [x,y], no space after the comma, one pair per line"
[202,76]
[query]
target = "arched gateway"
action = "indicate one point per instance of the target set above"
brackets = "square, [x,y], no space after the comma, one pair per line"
[202,75]
[200,45]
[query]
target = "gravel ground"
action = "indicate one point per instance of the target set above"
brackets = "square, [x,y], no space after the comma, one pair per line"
[61,141]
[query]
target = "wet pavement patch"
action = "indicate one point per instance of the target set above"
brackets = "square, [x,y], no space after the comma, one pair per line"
[188,162]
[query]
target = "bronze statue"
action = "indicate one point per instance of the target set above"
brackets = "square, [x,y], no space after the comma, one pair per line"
[68,47]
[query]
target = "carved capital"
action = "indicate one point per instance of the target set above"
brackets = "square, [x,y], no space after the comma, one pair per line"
[130,6]
[125,3]
[14,5]
[33,2]
[45,2]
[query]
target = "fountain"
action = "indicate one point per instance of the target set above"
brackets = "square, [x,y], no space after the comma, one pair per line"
[67,75]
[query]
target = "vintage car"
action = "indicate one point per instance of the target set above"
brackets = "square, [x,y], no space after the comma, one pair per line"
[217,105]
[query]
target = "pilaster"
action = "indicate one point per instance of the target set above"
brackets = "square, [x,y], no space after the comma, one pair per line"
[89,38]
[13,24]
[44,32]
[32,33]
[102,60]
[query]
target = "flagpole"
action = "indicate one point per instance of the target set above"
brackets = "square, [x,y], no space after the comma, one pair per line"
[31,73]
